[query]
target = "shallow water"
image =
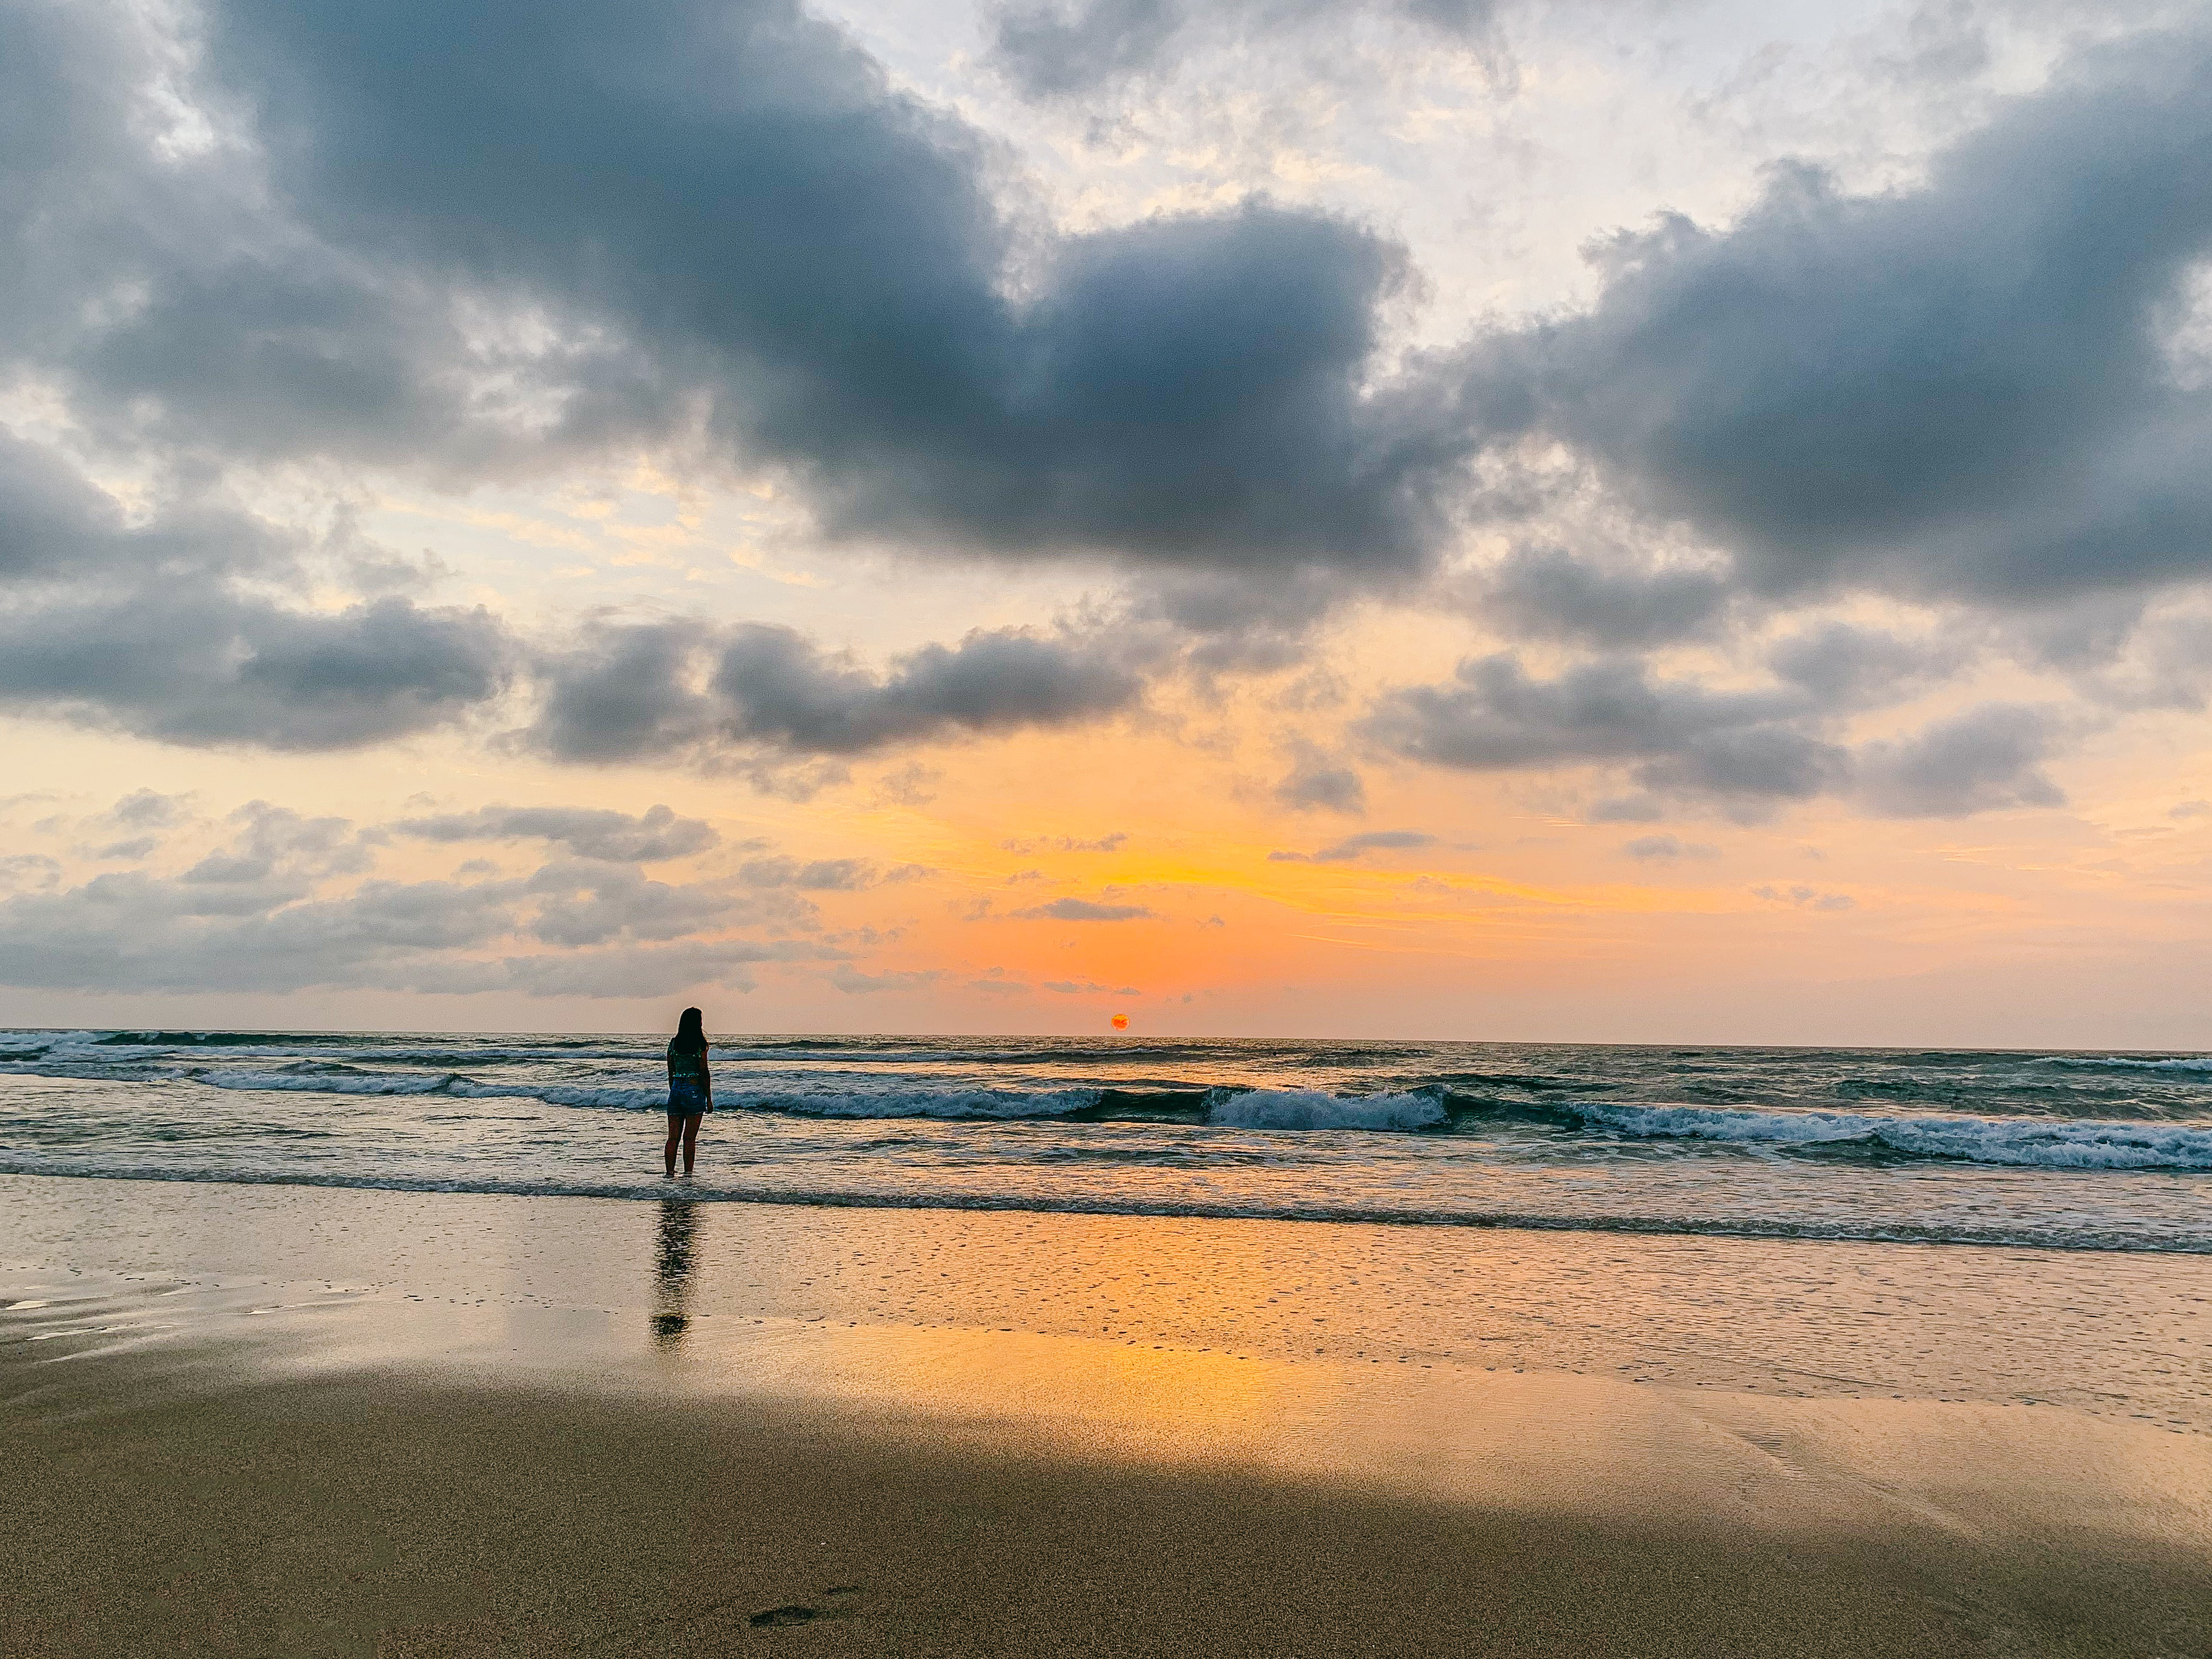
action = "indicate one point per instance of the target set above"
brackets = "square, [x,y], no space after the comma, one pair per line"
[2091,1152]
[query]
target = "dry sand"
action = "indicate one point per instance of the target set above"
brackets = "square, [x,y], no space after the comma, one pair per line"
[231,1464]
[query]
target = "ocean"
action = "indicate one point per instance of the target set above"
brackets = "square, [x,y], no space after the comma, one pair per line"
[2083,1151]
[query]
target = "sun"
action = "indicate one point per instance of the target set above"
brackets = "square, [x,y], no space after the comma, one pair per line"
[1120,1022]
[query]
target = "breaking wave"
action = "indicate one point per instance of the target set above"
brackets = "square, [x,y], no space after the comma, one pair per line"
[2018,1141]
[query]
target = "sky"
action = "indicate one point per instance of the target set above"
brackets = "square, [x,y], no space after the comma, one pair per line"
[1660,521]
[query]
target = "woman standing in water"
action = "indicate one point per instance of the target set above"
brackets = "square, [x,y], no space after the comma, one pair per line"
[691,1089]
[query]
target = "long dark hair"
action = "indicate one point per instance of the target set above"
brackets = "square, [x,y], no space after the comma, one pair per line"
[691,1032]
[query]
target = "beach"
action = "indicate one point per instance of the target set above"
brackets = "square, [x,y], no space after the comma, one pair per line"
[257,1420]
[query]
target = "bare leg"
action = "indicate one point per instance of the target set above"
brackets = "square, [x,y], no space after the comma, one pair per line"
[690,1140]
[675,1131]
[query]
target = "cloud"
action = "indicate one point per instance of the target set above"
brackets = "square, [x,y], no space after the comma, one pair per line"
[855,983]
[1987,759]
[911,785]
[209,668]
[489,243]
[132,932]
[1107,843]
[1071,47]
[163,627]
[168,630]
[1547,592]
[32,870]
[817,875]
[292,902]
[1354,847]
[1078,910]
[649,970]
[1318,782]
[147,812]
[1805,898]
[147,809]
[1668,848]
[1845,666]
[155,629]
[1073,987]
[1743,751]
[1958,387]
[584,902]
[639,692]
[1676,737]
[1626,809]
[479,241]
[587,832]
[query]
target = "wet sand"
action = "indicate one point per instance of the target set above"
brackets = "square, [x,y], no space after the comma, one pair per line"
[220,1438]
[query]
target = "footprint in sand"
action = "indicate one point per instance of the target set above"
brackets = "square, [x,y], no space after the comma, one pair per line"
[779,1618]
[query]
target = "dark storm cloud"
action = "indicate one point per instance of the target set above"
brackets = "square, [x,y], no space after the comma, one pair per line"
[490,237]
[206,666]
[1956,388]
[646,691]
[1676,737]
[588,832]
[1547,592]
[1075,47]
[487,239]
[1990,757]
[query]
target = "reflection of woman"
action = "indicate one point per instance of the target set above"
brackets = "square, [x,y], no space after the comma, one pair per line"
[691,1089]
[672,1271]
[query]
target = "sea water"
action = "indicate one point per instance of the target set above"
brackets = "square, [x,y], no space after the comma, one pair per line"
[2097,1152]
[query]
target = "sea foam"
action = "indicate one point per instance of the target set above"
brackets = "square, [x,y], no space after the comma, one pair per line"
[2021,1141]
[1312,1109]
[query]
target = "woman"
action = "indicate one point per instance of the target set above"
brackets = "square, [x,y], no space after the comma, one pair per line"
[691,1089]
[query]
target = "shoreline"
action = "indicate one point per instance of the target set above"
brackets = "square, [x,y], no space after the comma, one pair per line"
[1140,1209]
[404,1424]
[2117,1334]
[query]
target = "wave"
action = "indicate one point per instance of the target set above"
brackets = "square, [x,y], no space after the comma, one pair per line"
[1766,1226]
[2039,1142]
[1311,1108]
[1469,1102]
[2180,1065]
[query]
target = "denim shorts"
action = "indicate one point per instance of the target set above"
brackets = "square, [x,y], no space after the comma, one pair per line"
[687,1098]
